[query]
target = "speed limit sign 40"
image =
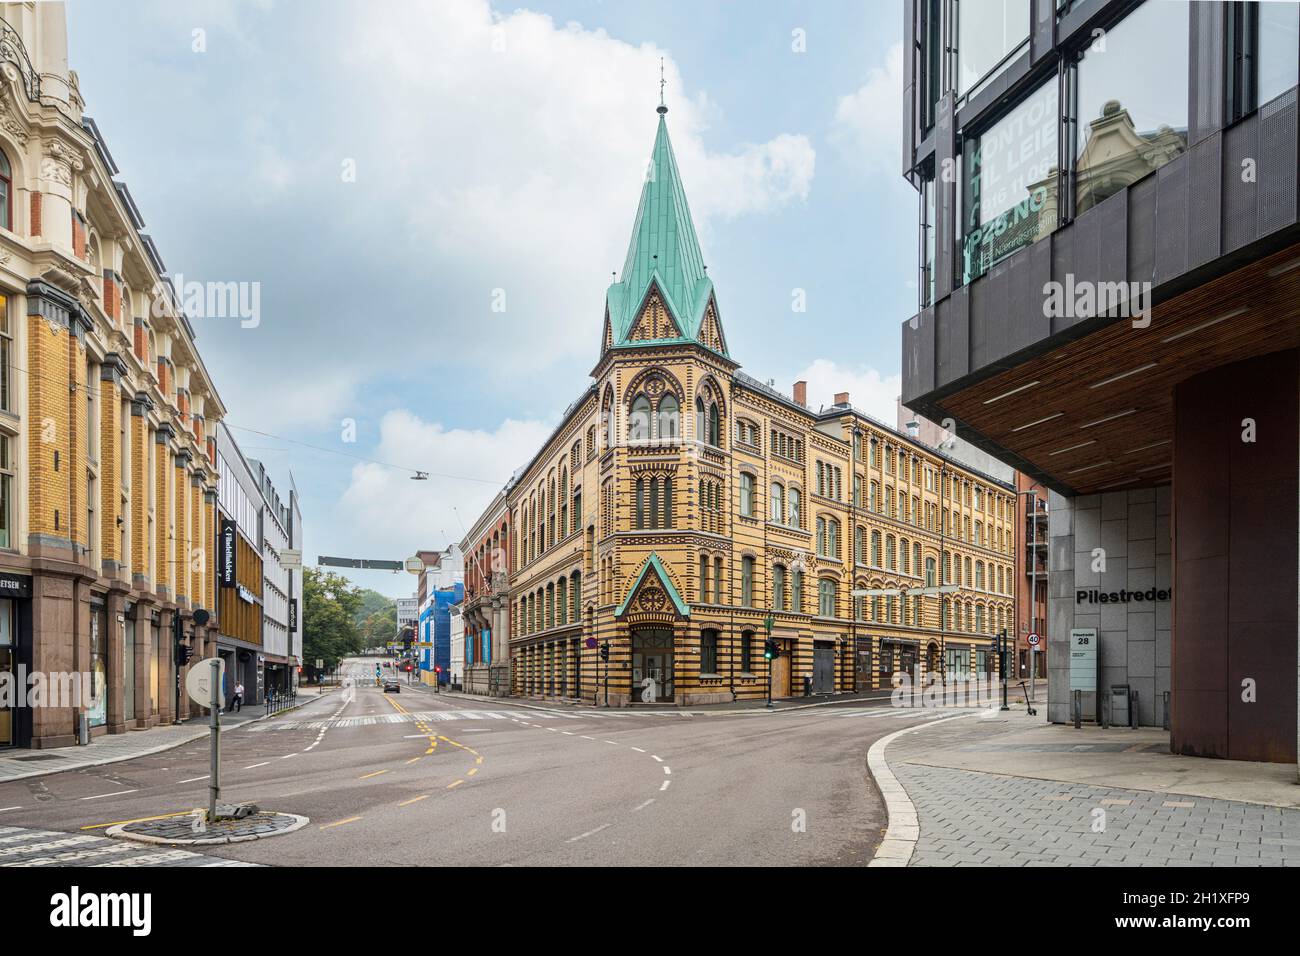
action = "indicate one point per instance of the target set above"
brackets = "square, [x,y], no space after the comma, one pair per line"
[1033,640]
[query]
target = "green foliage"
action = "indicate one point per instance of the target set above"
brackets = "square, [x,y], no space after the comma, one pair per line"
[331,603]
[372,601]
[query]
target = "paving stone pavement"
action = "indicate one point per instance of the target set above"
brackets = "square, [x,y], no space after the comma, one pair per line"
[969,818]
[21,846]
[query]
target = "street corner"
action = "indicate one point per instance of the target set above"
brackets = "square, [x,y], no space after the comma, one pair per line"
[194,829]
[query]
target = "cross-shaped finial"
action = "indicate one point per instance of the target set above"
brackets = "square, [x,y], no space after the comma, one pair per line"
[662,81]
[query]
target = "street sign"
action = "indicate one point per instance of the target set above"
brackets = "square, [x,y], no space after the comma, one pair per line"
[414,564]
[1083,659]
[1033,640]
[291,559]
[591,643]
[198,682]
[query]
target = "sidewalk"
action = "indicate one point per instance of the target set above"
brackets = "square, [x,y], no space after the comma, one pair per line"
[112,748]
[1013,790]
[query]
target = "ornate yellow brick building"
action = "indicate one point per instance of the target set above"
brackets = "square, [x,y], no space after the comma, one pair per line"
[682,506]
[107,484]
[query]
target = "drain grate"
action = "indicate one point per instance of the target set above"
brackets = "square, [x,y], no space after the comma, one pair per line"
[37,757]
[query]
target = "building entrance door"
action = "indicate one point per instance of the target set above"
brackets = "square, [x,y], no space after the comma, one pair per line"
[823,681]
[652,666]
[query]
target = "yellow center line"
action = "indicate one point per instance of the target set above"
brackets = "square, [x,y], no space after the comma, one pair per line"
[472,771]
[414,759]
[161,816]
[339,823]
[367,776]
[456,784]
[407,803]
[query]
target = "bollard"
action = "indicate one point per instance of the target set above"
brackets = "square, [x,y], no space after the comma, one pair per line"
[1133,710]
[1078,709]
[1165,723]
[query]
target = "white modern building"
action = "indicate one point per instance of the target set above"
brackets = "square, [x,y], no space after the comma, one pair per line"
[281,546]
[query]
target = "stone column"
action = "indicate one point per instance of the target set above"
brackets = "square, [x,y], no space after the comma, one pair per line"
[114,648]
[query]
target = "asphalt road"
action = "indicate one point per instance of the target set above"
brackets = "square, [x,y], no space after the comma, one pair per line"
[415,778]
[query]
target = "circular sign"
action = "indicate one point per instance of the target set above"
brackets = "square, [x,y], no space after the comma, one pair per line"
[415,564]
[591,643]
[1033,640]
[200,617]
[199,681]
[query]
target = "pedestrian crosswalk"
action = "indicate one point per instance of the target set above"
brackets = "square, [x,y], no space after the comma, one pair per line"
[20,846]
[535,715]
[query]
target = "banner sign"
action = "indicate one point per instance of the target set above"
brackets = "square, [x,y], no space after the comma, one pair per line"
[229,540]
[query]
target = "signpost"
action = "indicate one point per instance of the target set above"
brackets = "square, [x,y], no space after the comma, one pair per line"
[1033,640]
[1083,667]
[203,684]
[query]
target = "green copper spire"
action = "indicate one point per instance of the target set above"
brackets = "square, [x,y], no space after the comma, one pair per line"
[664,253]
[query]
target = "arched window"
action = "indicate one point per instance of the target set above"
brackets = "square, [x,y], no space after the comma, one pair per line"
[916,557]
[796,590]
[979,575]
[778,503]
[890,561]
[929,573]
[699,419]
[6,193]
[746,494]
[638,426]
[715,426]
[778,588]
[875,549]
[826,597]
[795,520]
[670,414]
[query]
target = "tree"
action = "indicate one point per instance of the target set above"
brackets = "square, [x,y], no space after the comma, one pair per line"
[372,601]
[380,627]
[331,603]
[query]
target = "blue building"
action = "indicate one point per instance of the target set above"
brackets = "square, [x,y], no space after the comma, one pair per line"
[435,629]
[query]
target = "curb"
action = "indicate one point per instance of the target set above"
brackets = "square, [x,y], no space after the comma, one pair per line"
[684,712]
[119,832]
[45,772]
[904,828]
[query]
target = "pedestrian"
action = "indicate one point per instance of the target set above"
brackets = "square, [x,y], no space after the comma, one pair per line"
[238,703]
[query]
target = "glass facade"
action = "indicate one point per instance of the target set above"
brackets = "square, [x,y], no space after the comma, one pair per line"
[1279,39]
[1010,182]
[1131,101]
[988,32]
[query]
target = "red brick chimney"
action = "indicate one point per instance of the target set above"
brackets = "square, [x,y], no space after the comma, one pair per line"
[841,398]
[801,393]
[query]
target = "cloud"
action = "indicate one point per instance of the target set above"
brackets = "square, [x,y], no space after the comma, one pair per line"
[866,120]
[869,391]
[382,505]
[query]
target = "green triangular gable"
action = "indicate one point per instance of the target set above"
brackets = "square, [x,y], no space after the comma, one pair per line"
[653,563]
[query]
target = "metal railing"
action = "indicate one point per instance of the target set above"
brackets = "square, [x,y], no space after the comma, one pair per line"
[278,700]
[13,51]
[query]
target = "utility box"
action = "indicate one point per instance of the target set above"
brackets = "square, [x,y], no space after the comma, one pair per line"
[1120,705]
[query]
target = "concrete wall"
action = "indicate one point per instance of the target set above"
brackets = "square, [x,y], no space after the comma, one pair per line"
[1133,529]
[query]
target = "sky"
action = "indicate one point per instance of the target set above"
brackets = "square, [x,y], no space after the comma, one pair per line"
[431,197]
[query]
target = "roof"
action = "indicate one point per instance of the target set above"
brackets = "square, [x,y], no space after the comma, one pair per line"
[654,562]
[664,252]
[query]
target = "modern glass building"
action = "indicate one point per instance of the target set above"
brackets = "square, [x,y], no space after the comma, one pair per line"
[1109,275]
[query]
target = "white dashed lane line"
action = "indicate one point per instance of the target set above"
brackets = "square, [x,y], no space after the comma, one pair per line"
[583,836]
[118,793]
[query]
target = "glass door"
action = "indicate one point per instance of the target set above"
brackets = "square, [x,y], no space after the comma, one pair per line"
[7,663]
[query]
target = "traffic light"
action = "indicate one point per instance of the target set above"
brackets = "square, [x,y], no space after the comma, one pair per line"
[771,650]
[604,651]
[437,668]
[183,654]
[408,668]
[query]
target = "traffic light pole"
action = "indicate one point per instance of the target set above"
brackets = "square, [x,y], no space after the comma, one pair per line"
[1002,664]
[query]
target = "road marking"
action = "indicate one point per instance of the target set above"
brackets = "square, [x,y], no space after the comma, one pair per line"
[642,806]
[583,836]
[3,809]
[585,737]
[414,759]
[472,771]
[1115,803]
[339,823]
[367,776]
[656,757]
[614,742]
[119,793]
[195,779]
[256,765]
[162,816]
[665,786]
[287,756]
[667,769]
[478,759]
[567,733]
[638,750]
[407,803]
[456,784]
[1175,804]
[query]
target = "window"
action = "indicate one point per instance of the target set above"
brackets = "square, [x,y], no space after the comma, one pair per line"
[746,652]
[875,549]
[778,588]
[796,591]
[795,520]
[929,572]
[670,414]
[654,503]
[826,597]
[1131,101]
[704,578]
[1007,182]
[778,503]
[715,426]
[6,493]
[6,356]
[708,652]
[988,32]
[6,193]
[700,422]
[638,426]
[717,580]
[747,581]
[1279,33]
[746,494]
